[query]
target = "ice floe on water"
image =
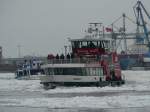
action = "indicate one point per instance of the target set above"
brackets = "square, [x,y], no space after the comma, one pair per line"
[7,76]
[9,83]
[135,80]
[137,76]
[122,101]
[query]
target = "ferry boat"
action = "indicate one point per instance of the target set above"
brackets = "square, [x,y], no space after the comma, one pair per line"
[29,70]
[92,62]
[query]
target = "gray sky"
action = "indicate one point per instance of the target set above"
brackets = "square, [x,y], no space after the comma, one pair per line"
[43,26]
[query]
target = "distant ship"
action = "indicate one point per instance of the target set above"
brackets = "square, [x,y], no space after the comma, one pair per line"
[139,57]
[29,70]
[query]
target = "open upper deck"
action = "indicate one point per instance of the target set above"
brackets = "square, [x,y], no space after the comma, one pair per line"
[73,61]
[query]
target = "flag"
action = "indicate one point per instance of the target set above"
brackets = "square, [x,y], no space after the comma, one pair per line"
[108,29]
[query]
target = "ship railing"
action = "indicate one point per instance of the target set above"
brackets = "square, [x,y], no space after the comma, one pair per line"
[75,60]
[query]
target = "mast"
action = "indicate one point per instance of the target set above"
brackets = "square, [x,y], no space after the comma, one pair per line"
[95,29]
[124,32]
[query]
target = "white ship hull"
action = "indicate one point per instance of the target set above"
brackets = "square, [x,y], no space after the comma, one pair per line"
[69,78]
[30,77]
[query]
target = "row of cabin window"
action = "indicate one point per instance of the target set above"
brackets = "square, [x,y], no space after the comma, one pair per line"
[75,71]
[91,44]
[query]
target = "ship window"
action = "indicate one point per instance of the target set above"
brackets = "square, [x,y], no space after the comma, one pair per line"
[58,71]
[106,43]
[91,44]
[76,71]
[49,71]
[76,44]
[99,71]
[101,44]
[69,71]
[80,44]
[72,43]
[84,44]
[94,71]
[46,71]
[95,44]
[72,71]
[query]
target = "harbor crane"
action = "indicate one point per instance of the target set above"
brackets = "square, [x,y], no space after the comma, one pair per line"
[138,11]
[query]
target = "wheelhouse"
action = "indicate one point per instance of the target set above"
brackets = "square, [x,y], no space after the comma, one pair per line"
[95,46]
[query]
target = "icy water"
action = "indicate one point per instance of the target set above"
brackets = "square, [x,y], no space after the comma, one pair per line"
[29,109]
[29,96]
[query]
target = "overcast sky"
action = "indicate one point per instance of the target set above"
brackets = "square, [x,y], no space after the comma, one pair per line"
[41,27]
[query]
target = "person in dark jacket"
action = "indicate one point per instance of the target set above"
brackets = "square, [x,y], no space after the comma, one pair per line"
[68,56]
[72,56]
[62,56]
[57,56]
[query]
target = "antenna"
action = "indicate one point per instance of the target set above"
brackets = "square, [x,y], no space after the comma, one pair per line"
[19,51]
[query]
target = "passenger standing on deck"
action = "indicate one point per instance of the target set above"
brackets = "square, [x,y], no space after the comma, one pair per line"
[72,56]
[57,56]
[68,56]
[62,56]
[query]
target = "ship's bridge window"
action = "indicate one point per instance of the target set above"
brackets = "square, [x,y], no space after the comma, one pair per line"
[104,44]
[84,44]
[92,44]
[75,44]
[100,44]
[107,44]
